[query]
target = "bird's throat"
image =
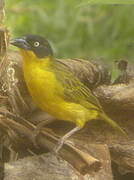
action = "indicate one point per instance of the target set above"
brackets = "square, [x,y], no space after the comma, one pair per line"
[29,58]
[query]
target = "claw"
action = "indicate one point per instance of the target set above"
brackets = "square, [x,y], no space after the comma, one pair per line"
[64,139]
[38,129]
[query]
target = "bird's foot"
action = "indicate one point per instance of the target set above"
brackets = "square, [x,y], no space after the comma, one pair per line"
[59,145]
[64,139]
[38,129]
[34,137]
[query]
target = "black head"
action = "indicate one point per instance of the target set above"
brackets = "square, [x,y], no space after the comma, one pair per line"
[39,45]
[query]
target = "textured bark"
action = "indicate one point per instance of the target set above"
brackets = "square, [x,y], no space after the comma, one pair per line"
[117,100]
[48,167]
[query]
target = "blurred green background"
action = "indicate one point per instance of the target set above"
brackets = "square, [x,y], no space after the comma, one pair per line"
[76,29]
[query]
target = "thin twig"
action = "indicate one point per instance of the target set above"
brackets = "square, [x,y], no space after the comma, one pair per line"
[82,161]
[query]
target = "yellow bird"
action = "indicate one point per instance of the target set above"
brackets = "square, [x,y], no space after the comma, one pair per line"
[55,89]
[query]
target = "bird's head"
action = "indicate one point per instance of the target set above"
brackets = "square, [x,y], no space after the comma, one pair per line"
[35,43]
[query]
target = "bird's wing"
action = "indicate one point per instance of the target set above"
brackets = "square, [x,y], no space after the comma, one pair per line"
[74,89]
[90,73]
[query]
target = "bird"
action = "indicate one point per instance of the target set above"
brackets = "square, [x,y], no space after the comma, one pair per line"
[55,89]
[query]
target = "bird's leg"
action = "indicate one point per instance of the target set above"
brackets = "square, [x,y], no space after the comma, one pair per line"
[64,138]
[39,128]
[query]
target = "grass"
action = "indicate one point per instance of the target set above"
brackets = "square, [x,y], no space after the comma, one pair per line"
[75,30]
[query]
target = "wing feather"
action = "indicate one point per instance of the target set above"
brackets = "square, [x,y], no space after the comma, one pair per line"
[74,89]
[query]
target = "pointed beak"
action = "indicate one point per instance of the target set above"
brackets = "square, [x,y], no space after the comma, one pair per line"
[20,43]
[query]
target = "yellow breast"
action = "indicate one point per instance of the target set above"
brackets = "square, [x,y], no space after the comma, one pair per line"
[47,91]
[41,81]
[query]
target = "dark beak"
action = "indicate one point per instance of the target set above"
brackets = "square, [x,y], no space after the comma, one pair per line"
[20,43]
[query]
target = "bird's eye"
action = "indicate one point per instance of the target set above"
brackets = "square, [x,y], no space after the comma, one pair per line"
[36,44]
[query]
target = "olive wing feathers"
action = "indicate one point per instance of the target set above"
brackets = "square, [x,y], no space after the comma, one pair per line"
[74,89]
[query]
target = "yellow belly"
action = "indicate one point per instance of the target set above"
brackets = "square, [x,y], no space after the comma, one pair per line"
[48,93]
[43,86]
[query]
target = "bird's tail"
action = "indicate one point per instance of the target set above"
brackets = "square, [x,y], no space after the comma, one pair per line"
[112,123]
